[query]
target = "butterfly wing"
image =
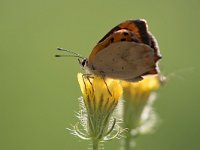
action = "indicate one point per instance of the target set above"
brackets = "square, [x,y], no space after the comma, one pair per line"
[137,31]
[139,27]
[117,36]
[126,61]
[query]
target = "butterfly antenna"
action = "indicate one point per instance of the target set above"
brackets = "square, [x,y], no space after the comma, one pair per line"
[71,53]
[68,56]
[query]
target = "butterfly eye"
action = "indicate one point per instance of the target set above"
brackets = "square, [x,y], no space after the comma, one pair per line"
[84,62]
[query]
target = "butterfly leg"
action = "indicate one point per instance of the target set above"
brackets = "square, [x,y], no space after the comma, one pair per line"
[83,78]
[103,77]
[107,86]
[87,76]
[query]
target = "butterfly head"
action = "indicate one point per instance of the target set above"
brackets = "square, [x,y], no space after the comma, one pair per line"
[83,62]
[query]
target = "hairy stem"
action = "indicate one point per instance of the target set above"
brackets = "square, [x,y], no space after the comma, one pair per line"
[129,143]
[95,144]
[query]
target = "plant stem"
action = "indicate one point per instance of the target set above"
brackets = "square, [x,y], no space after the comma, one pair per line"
[95,144]
[129,143]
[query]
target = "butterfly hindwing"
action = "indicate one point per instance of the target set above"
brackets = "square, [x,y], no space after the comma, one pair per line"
[127,60]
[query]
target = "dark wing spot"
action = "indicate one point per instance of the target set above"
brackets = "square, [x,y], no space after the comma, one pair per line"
[134,40]
[112,40]
[123,39]
[110,32]
[125,33]
[122,68]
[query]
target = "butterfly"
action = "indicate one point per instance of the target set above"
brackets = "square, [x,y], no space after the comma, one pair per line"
[127,52]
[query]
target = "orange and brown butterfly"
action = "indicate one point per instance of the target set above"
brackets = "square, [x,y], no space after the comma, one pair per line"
[127,52]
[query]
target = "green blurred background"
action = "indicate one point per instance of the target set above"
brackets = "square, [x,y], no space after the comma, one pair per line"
[38,92]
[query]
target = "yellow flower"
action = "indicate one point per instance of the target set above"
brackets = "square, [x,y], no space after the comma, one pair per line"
[138,115]
[140,90]
[137,97]
[100,98]
[96,94]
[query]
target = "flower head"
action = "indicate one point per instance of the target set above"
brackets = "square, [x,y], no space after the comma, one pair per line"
[99,93]
[138,91]
[100,97]
[139,98]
